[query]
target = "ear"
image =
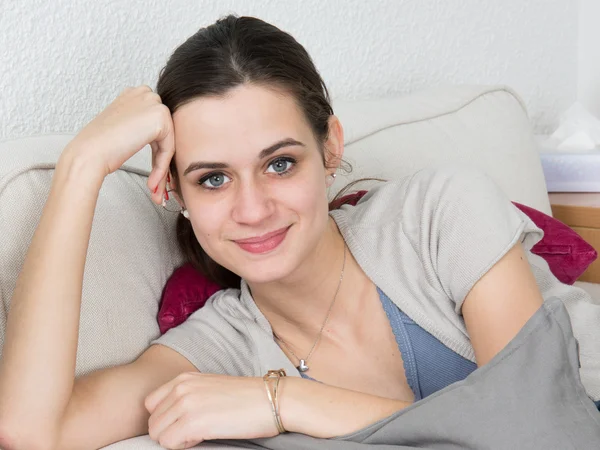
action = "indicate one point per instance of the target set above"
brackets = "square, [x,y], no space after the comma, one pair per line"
[334,145]
[172,190]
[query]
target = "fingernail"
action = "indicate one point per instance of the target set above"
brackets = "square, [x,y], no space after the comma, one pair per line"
[156,189]
[168,178]
[166,194]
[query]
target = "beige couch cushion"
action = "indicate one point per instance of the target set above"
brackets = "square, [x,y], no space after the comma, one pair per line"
[486,126]
[132,249]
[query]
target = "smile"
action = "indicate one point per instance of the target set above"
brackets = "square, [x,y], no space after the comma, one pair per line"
[264,243]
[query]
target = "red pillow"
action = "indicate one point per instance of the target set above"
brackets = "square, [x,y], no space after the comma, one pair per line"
[186,291]
[567,254]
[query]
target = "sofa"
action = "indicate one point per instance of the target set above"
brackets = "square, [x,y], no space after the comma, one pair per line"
[133,250]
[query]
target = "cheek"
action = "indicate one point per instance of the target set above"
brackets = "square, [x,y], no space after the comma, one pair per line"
[311,200]
[206,221]
[305,195]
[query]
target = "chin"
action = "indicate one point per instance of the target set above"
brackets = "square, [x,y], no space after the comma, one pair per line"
[267,268]
[262,272]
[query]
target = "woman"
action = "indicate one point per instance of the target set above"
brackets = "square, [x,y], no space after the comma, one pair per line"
[244,136]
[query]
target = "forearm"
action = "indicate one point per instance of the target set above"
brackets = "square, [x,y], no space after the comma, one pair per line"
[325,411]
[38,362]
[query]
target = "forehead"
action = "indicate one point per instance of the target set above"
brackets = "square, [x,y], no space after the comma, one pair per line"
[247,118]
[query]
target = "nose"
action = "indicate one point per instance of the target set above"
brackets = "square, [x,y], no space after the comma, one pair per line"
[253,204]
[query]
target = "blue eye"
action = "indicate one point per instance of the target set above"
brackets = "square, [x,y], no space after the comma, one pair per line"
[214,181]
[281,165]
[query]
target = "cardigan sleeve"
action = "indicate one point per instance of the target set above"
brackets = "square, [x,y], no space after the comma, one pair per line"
[215,339]
[466,225]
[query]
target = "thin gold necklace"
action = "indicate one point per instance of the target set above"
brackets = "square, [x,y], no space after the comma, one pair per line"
[302,367]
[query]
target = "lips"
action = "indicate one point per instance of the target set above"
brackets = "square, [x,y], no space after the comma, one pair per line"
[264,243]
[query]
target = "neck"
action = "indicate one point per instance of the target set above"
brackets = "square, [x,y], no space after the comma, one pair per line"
[297,306]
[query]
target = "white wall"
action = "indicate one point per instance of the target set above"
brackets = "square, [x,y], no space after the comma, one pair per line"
[62,61]
[588,91]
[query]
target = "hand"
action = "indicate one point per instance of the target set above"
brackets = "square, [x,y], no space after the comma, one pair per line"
[194,407]
[137,117]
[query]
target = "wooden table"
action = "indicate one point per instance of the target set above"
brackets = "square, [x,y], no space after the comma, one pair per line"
[581,212]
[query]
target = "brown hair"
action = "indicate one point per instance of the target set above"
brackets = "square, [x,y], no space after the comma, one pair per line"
[234,51]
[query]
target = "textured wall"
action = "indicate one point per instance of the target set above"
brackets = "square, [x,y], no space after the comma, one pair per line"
[588,82]
[62,61]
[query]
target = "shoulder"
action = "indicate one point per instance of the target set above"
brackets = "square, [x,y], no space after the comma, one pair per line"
[443,176]
[423,193]
[458,204]
[217,338]
[225,303]
[452,180]
[454,192]
[224,314]
[462,222]
[439,182]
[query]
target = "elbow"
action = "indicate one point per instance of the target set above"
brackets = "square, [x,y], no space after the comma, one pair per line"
[17,438]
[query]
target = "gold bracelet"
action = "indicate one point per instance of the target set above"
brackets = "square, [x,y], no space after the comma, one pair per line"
[274,375]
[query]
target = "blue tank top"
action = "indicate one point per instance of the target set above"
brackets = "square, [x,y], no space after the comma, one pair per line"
[429,365]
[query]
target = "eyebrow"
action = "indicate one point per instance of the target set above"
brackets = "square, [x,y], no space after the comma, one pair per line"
[288,142]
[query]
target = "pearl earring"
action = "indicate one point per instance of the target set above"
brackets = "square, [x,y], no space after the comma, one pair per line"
[185,213]
[331,179]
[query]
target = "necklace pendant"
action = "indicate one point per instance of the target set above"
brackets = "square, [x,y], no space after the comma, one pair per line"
[302,367]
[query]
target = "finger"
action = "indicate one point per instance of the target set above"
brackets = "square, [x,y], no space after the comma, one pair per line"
[166,404]
[167,413]
[154,148]
[142,88]
[155,188]
[165,143]
[179,435]
[158,395]
[161,169]
[154,151]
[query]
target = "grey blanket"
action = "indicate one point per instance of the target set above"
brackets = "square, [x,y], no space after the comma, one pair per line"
[529,396]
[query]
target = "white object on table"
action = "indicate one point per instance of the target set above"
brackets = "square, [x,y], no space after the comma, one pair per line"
[578,131]
[569,171]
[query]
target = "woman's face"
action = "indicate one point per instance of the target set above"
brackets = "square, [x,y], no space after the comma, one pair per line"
[253,181]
